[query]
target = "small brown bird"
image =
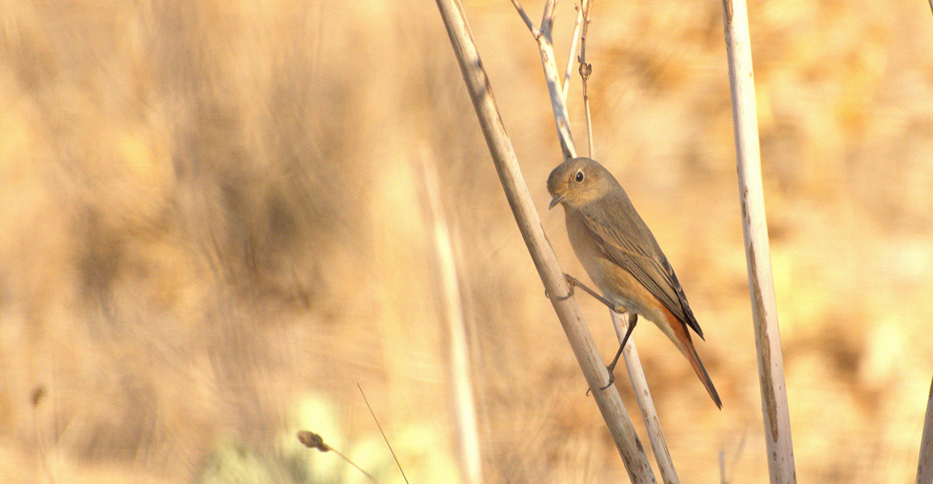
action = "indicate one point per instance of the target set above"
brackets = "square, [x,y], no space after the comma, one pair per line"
[622,257]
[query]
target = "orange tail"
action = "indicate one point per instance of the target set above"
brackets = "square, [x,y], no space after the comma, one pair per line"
[685,344]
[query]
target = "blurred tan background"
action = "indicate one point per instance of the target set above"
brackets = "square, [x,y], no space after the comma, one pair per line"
[213,225]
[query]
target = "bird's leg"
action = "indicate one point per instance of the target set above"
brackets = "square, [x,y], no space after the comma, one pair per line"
[572,281]
[632,320]
[618,308]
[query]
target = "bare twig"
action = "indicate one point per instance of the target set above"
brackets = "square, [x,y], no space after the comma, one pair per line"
[578,20]
[547,18]
[585,71]
[531,27]
[551,76]
[925,466]
[645,403]
[757,251]
[516,191]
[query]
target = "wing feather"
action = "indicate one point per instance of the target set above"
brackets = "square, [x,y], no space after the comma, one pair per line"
[625,239]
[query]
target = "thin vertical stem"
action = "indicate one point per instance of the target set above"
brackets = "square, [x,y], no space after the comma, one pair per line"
[463,401]
[757,250]
[648,413]
[573,49]
[585,71]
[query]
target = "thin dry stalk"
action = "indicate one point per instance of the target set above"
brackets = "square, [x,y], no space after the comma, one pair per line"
[516,191]
[384,436]
[552,77]
[757,251]
[312,440]
[925,466]
[463,400]
[578,20]
[645,403]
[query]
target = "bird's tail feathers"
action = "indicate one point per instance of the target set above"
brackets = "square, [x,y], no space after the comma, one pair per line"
[685,345]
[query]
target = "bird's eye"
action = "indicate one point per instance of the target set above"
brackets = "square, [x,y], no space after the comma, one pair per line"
[579,177]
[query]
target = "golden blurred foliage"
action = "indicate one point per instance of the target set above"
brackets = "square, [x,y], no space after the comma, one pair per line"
[211,210]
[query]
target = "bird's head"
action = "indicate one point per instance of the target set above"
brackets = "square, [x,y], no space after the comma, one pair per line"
[577,182]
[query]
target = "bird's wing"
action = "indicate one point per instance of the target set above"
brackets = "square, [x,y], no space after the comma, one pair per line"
[624,238]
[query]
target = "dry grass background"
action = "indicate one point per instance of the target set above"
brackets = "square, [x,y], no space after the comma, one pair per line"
[213,226]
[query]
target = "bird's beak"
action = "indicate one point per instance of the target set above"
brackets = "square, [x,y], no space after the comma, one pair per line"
[554,201]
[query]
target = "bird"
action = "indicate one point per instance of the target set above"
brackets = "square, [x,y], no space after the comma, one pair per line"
[622,257]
